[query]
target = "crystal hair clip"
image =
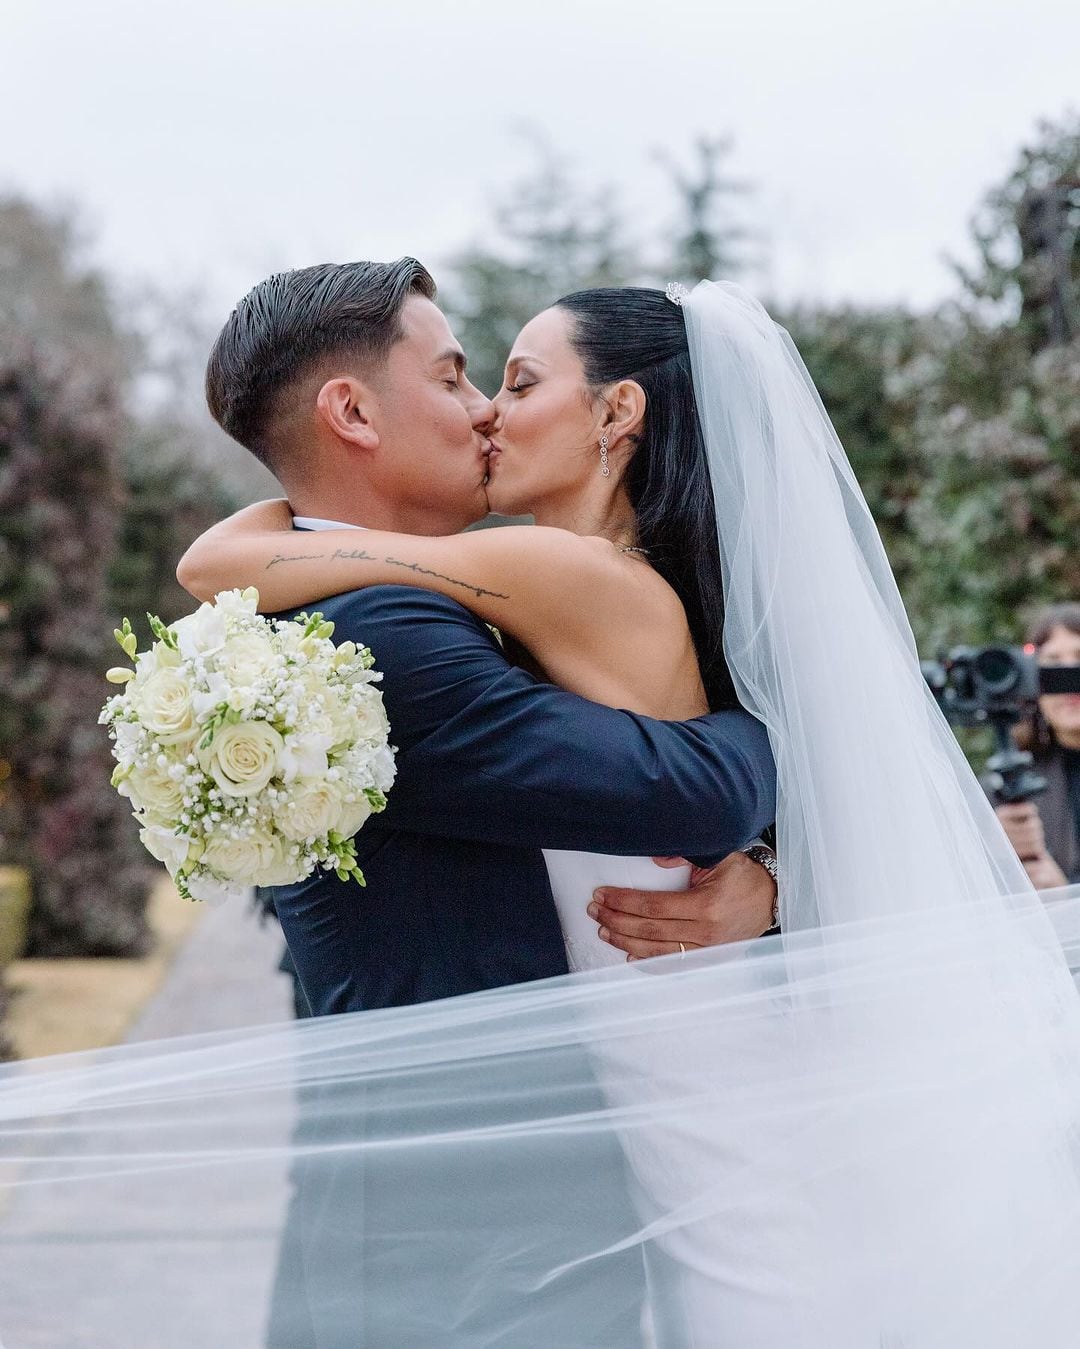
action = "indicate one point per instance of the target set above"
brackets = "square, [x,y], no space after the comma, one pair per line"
[676,292]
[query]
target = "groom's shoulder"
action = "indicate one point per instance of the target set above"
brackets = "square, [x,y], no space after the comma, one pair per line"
[398,607]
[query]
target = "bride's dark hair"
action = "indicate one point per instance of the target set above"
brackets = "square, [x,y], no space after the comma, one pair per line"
[635,333]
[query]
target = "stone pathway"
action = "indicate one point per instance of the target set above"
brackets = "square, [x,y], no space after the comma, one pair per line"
[225,977]
[63,1248]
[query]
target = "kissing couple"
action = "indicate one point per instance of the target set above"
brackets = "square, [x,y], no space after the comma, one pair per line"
[700,632]
[555,1094]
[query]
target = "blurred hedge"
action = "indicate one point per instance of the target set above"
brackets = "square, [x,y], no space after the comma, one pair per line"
[61,494]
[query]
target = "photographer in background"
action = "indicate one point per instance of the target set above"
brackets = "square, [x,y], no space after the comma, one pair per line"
[1046,833]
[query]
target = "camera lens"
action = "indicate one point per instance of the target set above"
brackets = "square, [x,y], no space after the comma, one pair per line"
[996,669]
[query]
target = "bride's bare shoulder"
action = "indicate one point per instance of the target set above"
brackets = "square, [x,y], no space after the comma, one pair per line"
[546,552]
[586,578]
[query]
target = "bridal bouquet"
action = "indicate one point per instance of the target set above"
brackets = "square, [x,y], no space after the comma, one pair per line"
[251,749]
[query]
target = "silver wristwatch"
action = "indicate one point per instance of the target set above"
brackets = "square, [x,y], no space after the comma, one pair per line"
[764,856]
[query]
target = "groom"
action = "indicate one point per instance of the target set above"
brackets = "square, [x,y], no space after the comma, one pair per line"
[348,383]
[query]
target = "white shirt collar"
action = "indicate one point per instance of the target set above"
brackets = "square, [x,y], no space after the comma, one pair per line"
[312,522]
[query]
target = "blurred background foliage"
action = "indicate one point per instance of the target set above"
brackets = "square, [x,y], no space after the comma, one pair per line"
[963,426]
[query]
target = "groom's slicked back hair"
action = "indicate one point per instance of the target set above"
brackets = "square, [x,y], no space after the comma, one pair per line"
[292,322]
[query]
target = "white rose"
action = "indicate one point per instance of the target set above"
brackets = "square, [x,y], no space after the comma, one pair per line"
[243,758]
[311,810]
[247,658]
[284,870]
[201,633]
[167,847]
[164,706]
[339,725]
[354,816]
[370,719]
[289,636]
[237,859]
[154,790]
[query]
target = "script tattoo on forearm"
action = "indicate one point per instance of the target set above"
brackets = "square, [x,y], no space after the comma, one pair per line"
[478,591]
[298,557]
[362,555]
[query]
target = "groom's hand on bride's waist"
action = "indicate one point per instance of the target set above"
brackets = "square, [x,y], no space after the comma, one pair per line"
[732,901]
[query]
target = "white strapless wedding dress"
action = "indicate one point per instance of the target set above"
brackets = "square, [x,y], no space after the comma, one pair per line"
[707,1283]
[575,875]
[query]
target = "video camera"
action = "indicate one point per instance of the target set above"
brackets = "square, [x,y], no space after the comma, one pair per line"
[997,686]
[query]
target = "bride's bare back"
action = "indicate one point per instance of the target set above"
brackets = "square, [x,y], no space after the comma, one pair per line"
[597,618]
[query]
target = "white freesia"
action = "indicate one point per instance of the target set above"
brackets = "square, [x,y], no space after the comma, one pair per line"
[242,758]
[166,845]
[383,768]
[201,633]
[237,604]
[214,892]
[207,699]
[128,738]
[305,754]
[251,749]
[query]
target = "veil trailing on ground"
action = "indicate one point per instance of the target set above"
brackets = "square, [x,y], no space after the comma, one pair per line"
[861,1135]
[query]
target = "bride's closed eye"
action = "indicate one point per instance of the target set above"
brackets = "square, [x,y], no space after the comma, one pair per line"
[518,388]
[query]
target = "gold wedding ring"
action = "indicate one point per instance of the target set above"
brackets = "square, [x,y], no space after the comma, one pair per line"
[682,949]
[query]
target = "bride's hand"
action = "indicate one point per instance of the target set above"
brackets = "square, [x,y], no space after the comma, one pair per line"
[732,901]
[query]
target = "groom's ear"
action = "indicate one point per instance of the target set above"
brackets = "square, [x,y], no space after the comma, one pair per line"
[345,406]
[626,411]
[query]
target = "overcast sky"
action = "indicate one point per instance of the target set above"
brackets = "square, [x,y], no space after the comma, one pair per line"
[213,141]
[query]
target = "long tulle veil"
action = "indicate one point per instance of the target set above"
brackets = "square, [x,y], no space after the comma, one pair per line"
[880,813]
[862,1134]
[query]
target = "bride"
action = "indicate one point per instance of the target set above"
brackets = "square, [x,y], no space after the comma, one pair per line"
[861,1135]
[876,1149]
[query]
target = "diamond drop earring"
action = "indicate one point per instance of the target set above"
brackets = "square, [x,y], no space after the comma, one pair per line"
[603,458]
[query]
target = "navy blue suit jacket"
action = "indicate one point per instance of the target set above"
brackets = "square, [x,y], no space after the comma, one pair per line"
[493,766]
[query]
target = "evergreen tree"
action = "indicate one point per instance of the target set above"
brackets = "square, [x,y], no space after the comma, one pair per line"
[1027,240]
[868,366]
[999,422]
[550,237]
[704,247]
